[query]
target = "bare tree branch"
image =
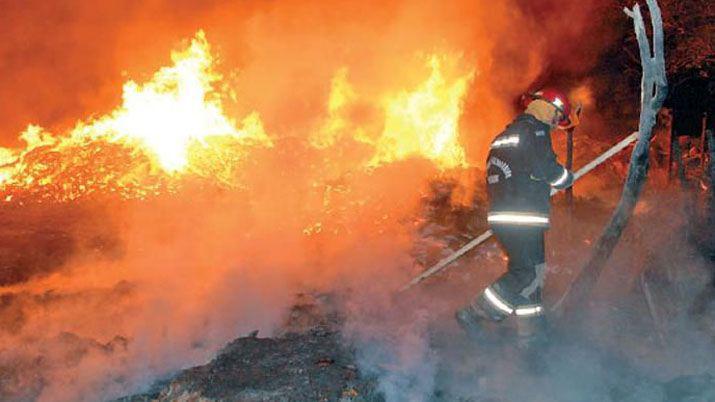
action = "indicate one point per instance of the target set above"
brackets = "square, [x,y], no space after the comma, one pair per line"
[654,89]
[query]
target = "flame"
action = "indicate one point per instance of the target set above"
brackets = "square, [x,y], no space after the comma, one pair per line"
[342,95]
[173,124]
[425,122]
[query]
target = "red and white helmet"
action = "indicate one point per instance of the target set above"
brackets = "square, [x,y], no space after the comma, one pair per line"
[558,99]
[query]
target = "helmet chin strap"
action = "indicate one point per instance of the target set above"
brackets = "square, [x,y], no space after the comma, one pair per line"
[555,120]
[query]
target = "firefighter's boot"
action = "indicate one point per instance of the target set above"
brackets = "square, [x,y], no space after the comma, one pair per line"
[478,319]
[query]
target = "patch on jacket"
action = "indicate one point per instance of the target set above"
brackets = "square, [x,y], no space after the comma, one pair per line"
[540,133]
[493,179]
[505,168]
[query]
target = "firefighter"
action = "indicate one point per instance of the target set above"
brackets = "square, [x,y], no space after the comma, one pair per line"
[521,171]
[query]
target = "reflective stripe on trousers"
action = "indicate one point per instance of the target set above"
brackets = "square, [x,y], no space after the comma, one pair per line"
[518,218]
[501,304]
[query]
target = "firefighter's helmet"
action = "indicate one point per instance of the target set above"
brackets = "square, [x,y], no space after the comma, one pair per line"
[557,98]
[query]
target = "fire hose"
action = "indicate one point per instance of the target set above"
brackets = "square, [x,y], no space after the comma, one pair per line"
[445,262]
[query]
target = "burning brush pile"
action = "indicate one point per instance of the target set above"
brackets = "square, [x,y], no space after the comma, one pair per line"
[169,127]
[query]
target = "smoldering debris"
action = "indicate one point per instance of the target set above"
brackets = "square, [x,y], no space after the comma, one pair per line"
[309,361]
[310,366]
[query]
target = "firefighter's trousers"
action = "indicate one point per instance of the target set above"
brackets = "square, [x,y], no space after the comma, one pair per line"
[518,291]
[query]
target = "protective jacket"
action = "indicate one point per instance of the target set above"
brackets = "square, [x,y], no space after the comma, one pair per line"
[521,170]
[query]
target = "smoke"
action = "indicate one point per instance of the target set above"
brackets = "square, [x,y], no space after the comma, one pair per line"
[646,329]
[179,291]
[149,287]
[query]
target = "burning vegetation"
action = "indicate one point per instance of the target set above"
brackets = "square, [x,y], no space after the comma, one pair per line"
[172,126]
[285,170]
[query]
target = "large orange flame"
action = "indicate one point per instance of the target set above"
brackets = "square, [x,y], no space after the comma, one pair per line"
[176,109]
[425,122]
[173,124]
[422,122]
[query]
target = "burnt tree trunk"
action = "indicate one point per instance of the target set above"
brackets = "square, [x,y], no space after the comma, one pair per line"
[654,89]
